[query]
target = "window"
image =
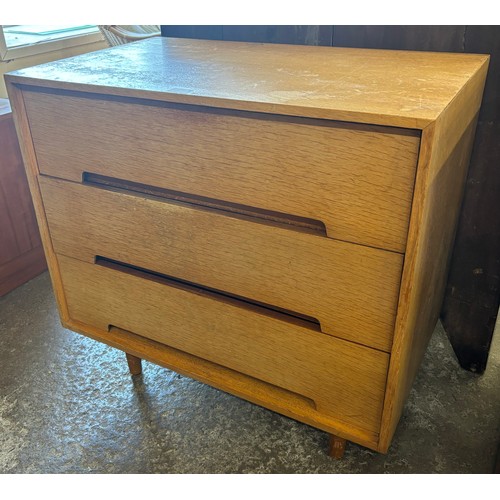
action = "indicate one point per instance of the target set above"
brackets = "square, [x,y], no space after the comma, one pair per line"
[25,40]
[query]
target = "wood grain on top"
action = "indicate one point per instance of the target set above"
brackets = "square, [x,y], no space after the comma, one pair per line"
[398,88]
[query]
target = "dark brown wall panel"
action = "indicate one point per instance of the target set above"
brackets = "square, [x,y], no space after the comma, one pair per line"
[433,38]
[300,35]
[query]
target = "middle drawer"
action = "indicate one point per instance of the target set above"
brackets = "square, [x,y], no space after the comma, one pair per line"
[351,290]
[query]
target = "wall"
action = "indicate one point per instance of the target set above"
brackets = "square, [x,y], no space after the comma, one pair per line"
[24,62]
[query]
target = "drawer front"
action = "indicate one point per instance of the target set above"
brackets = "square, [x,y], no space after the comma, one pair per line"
[356,180]
[351,290]
[343,380]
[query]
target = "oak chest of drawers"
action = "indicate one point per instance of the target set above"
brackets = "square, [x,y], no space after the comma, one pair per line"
[272,220]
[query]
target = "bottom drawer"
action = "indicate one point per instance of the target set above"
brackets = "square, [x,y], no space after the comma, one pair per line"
[343,380]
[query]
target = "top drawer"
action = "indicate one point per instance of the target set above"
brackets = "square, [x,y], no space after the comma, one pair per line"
[356,180]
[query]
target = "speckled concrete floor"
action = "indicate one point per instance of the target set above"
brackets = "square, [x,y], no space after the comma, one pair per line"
[68,405]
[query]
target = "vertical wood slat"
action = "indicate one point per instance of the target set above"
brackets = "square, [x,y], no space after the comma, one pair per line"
[15,188]
[21,269]
[9,245]
[300,35]
[429,38]
[184,31]
[21,254]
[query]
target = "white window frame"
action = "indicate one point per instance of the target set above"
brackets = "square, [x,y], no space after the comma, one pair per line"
[10,53]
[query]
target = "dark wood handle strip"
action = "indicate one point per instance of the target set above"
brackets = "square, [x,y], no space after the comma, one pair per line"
[285,220]
[235,300]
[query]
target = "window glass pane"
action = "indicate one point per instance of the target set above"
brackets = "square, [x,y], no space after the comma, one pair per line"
[19,35]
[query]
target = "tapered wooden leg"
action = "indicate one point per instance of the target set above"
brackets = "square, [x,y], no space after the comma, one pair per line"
[134,364]
[336,447]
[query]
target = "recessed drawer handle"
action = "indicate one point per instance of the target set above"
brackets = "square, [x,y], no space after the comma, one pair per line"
[286,220]
[235,300]
[196,367]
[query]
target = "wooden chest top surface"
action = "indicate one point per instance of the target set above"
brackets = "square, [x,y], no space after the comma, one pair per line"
[385,87]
